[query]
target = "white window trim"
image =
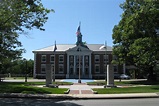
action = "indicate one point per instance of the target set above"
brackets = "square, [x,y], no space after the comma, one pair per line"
[97,57]
[62,60]
[106,58]
[59,68]
[98,66]
[51,57]
[42,56]
[43,66]
[105,68]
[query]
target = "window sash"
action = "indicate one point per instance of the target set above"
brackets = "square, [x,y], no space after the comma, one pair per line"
[43,58]
[43,68]
[61,58]
[97,58]
[97,69]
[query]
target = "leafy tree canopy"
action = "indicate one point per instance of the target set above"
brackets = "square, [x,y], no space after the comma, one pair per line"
[16,16]
[136,37]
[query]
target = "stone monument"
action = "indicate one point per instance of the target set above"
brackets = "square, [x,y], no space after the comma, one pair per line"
[48,75]
[110,76]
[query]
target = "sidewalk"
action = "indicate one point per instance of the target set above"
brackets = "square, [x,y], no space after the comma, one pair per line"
[80,88]
[80,96]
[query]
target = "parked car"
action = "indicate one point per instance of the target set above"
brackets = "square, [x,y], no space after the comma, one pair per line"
[124,76]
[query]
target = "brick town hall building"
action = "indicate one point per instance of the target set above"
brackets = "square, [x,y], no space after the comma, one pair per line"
[70,60]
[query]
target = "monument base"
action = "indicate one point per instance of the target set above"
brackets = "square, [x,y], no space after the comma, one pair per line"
[52,86]
[110,86]
[79,81]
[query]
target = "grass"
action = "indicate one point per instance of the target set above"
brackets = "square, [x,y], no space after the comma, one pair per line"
[19,87]
[128,87]
[143,89]
[145,82]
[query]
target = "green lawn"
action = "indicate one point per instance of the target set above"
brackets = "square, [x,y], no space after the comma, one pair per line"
[143,89]
[21,87]
[125,83]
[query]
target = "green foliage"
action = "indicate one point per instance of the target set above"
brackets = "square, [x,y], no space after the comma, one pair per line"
[17,16]
[18,67]
[135,38]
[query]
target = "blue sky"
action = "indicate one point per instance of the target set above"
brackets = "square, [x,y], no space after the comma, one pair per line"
[97,18]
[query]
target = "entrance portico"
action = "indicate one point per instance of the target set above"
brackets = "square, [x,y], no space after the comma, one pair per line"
[79,57]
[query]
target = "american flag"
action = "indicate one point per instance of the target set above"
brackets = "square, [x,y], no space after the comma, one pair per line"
[55,48]
[78,31]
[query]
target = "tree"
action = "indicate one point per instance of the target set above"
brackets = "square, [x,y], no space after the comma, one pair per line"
[17,16]
[135,38]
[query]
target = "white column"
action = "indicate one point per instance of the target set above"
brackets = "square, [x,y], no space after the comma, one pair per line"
[34,73]
[67,75]
[74,67]
[124,68]
[90,75]
[83,65]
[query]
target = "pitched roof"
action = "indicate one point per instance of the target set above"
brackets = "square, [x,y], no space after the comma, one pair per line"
[65,47]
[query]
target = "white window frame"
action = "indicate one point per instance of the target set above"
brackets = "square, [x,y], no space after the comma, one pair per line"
[43,68]
[105,68]
[97,57]
[97,65]
[60,58]
[52,56]
[43,58]
[106,58]
[61,65]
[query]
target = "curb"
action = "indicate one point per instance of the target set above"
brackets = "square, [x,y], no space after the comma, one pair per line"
[80,96]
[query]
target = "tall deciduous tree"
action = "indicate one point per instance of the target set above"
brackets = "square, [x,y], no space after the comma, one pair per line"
[17,16]
[136,37]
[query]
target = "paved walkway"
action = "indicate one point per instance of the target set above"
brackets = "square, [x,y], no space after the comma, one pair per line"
[80,88]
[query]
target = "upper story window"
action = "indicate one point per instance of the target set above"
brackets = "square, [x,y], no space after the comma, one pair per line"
[52,58]
[71,58]
[61,58]
[97,58]
[86,58]
[106,58]
[43,58]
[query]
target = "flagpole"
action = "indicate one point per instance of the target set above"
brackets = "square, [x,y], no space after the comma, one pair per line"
[54,62]
[105,63]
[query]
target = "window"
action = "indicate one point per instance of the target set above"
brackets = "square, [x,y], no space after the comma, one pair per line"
[43,68]
[105,68]
[97,59]
[52,58]
[106,58]
[61,58]
[97,69]
[86,58]
[61,68]
[43,58]
[71,58]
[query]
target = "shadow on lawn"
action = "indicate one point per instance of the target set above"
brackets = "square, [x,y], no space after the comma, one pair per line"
[143,82]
